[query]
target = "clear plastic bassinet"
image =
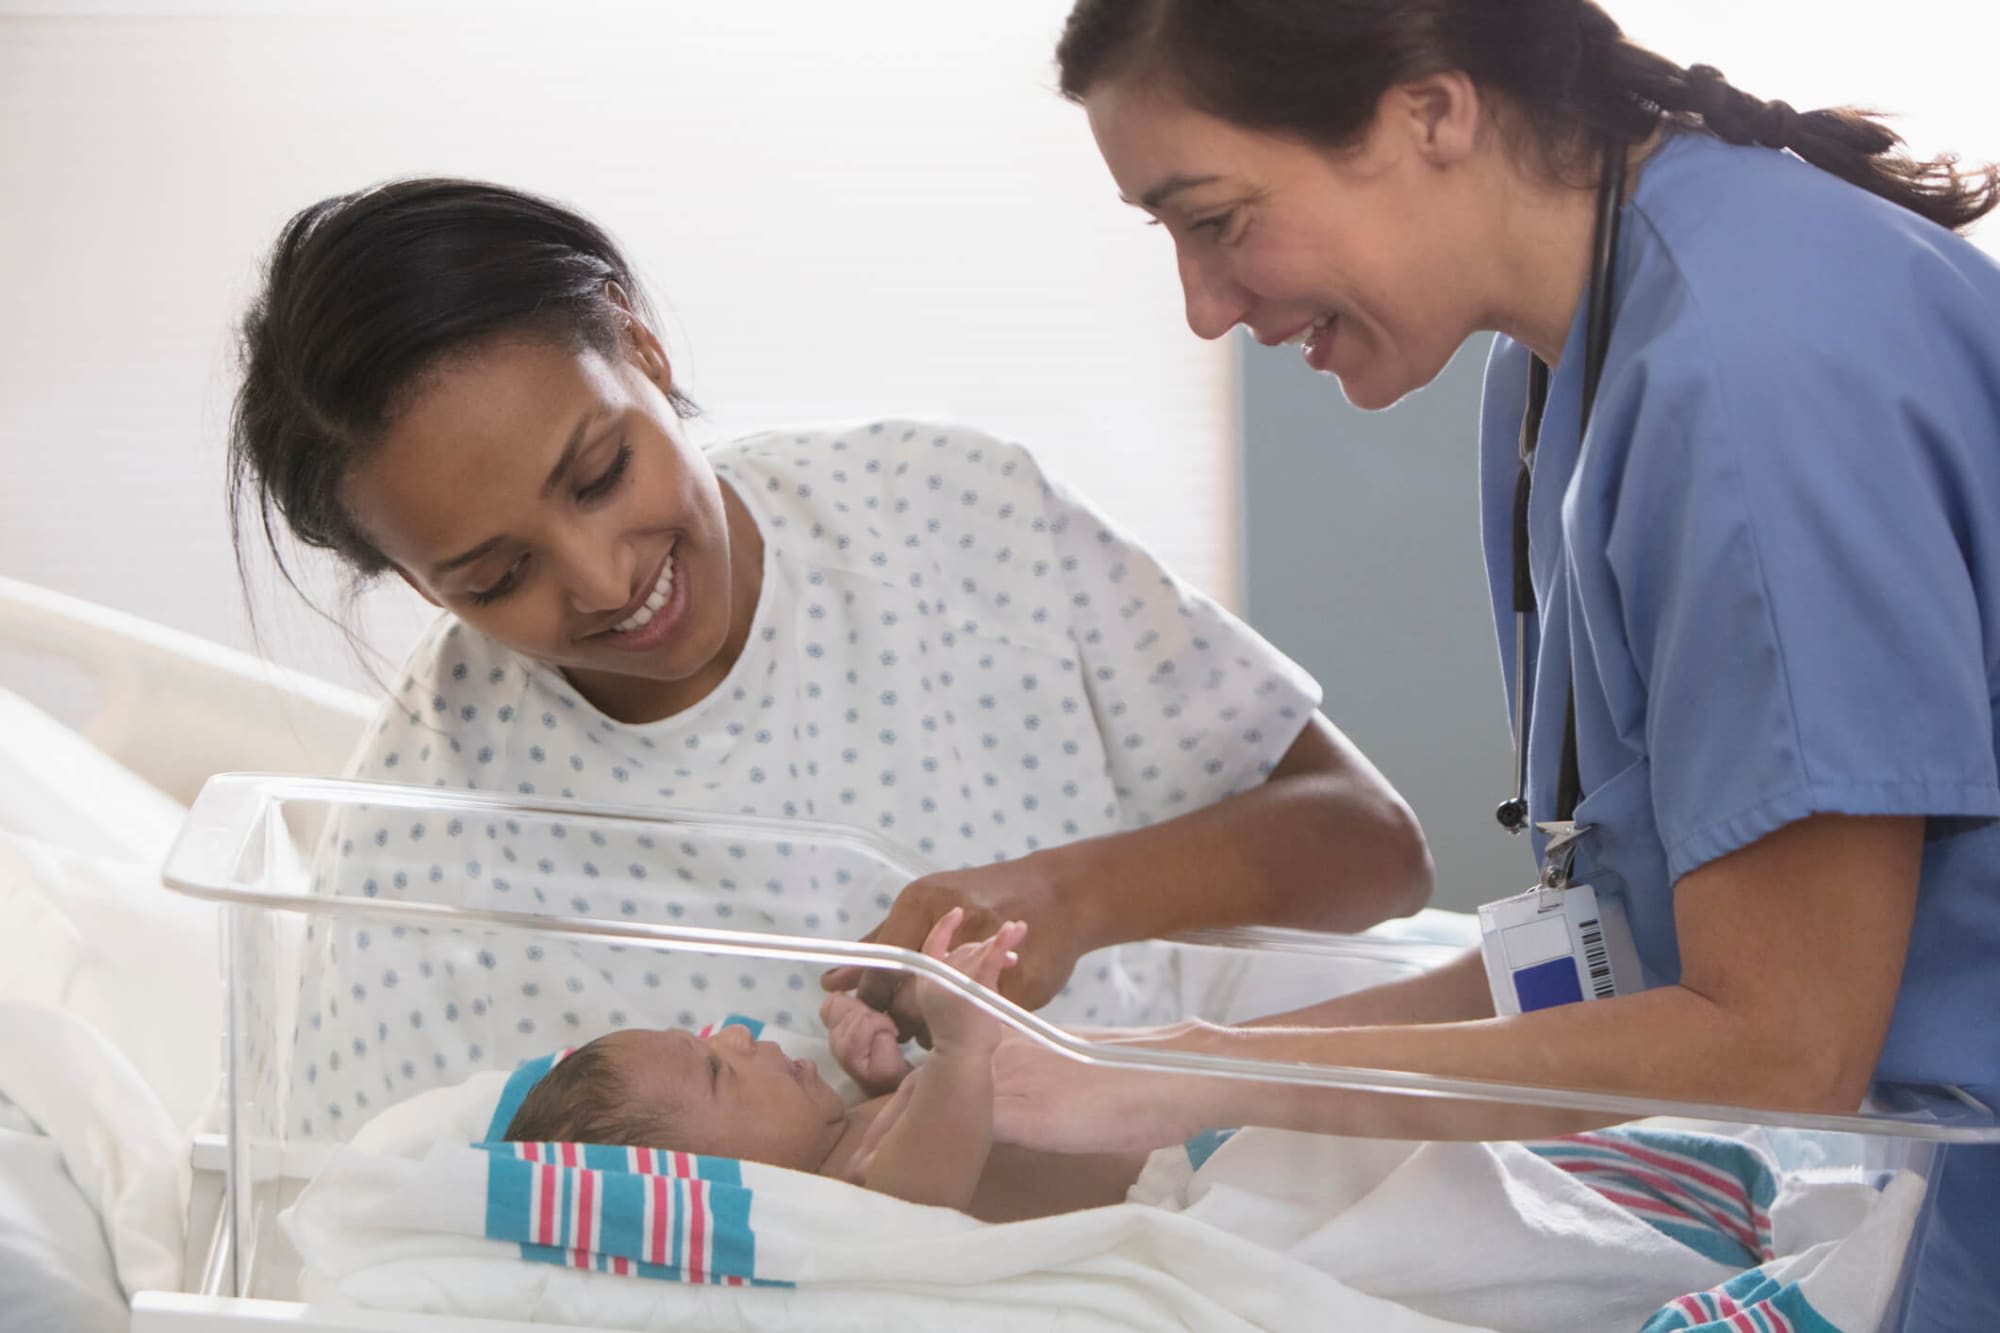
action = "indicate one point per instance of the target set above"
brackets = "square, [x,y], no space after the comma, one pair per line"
[663,891]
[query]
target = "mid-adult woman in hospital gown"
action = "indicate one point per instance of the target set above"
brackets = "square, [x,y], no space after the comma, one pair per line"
[1769,568]
[903,627]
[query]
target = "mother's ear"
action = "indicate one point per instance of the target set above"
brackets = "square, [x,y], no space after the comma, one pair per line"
[642,345]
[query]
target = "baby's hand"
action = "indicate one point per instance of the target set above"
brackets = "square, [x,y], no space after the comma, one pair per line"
[864,1043]
[953,1021]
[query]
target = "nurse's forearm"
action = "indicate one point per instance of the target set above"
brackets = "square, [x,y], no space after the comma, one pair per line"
[1324,844]
[1663,1044]
[1791,955]
[1452,993]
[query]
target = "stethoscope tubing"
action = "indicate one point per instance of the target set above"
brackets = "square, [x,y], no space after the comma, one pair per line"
[1513,813]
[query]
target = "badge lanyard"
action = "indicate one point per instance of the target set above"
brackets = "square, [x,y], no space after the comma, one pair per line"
[1556,943]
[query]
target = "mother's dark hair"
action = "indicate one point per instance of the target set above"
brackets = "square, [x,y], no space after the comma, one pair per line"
[366,294]
[1317,69]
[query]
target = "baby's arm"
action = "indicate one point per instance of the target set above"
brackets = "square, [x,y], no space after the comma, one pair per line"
[939,1126]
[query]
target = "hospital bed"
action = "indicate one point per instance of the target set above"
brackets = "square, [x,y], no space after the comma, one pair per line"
[244,857]
[104,976]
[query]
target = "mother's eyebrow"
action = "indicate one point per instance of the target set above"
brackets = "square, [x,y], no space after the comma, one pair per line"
[465,557]
[570,449]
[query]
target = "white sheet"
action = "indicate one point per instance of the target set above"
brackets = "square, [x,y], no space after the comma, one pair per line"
[58,787]
[126,1156]
[110,1027]
[100,938]
[56,1274]
[1278,1231]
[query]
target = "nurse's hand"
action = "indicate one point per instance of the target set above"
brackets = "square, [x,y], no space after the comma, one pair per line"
[989,896]
[1046,1101]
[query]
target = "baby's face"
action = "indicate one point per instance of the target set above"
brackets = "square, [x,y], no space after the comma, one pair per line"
[731,1096]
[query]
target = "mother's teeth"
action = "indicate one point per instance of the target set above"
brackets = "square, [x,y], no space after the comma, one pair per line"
[655,599]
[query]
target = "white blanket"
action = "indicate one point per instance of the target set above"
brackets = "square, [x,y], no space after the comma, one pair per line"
[119,1146]
[1275,1231]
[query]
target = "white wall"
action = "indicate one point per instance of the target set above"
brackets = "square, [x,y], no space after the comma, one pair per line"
[1930,63]
[846,208]
[851,207]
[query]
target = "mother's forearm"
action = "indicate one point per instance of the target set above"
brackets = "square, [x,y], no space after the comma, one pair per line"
[1322,846]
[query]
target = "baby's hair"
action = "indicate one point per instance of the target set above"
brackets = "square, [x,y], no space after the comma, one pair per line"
[586,1099]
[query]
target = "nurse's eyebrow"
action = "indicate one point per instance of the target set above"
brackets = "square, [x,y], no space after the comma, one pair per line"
[570,449]
[1171,186]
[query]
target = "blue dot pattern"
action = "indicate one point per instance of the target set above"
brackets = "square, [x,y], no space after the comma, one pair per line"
[950,650]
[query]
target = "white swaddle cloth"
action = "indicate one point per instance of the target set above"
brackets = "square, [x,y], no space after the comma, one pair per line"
[1271,1230]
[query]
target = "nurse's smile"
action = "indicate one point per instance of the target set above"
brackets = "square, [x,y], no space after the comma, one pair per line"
[1378,260]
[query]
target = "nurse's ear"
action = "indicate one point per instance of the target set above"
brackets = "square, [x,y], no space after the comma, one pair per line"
[1440,114]
[642,346]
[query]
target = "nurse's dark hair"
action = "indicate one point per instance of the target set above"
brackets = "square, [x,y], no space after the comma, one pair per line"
[1317,69]
[364,296]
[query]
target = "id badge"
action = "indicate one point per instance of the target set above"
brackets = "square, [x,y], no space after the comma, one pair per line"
[1552,946]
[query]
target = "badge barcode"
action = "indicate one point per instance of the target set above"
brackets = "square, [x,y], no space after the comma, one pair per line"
[1597,959]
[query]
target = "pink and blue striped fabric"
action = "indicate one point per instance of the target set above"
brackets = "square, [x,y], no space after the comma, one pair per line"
[1709,1193]
[639,1212]
[1748,1303]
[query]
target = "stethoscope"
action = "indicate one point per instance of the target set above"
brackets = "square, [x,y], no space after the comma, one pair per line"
[1513,813]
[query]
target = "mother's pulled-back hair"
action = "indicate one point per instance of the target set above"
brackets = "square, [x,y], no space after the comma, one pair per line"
[1317,69]
[366,294]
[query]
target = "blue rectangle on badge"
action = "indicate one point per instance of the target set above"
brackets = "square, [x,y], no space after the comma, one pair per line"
[1546,985]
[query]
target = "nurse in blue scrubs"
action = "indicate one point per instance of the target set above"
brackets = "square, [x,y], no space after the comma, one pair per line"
[1766,569]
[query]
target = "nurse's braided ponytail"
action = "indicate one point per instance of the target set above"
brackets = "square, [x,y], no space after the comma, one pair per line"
[1317,69]
[1851,143]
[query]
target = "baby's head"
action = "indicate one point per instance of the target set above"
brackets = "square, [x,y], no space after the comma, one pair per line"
[725,1095]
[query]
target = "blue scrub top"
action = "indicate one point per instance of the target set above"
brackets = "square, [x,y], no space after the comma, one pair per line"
[1775,563]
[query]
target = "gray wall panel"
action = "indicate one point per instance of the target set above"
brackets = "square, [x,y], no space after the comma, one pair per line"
[1362,561]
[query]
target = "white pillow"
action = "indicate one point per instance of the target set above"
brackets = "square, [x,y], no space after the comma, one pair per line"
[103,940]
[56,1271]
[127,1159]
[58,787]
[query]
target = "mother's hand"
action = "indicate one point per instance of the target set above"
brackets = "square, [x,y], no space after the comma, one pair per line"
[1046,1101]
[990,896]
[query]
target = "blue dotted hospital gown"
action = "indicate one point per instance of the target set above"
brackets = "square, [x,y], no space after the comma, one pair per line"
[950,651]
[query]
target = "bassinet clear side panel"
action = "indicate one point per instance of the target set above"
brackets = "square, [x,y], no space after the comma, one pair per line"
[386,942]
[384,1011]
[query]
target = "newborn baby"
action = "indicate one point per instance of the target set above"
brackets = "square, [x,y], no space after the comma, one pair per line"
[926,1136]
